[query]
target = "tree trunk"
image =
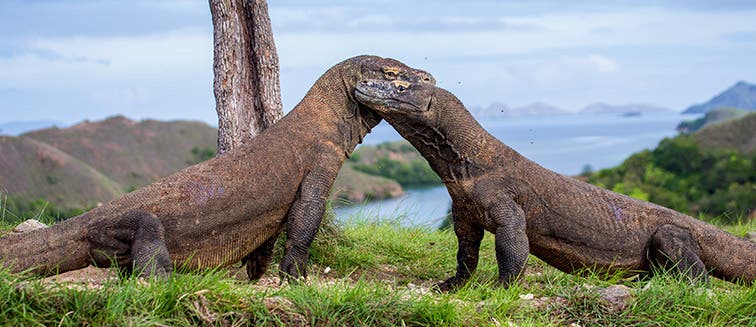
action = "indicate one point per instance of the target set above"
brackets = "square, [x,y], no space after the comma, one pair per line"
[246,85]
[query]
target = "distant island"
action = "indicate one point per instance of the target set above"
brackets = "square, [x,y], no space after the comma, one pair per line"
[742,95]
[631,109]
[540,109]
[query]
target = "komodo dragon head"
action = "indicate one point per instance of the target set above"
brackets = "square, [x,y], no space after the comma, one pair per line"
[338,83]
[398,99]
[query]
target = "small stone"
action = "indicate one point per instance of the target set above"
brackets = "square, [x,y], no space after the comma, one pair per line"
[751,236]
[327,270]
[616,296]
[28,226]
[457,302]
[527,297]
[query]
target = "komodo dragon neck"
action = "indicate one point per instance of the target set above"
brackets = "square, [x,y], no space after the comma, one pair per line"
[456,146]
[331,112]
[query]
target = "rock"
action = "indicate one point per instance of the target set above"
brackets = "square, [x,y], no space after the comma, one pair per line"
[616,296]
[528,296]
[28,226]
[751,236]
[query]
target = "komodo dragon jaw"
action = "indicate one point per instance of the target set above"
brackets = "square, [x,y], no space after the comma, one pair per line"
[385,96]
[231,207]
[569,224]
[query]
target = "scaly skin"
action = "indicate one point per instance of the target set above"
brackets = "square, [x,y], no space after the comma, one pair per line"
[567,223]
[215,213]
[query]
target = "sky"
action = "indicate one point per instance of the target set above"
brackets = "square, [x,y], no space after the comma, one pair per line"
[73,60]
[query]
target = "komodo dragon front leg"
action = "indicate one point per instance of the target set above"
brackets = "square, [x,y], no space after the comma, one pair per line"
[507,220]
[512,247]
[307,211]
[135,242]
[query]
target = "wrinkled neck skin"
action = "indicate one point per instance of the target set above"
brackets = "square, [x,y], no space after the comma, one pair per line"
[331,103]
[455,145]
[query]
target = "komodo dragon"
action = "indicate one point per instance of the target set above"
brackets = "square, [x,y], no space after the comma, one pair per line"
[569,224]
[214,213]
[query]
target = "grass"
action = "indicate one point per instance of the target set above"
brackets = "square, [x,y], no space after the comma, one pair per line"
[378,274]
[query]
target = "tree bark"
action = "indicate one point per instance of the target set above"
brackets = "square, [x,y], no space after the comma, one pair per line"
[246,84]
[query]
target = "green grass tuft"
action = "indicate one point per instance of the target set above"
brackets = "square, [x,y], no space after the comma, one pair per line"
[378,274]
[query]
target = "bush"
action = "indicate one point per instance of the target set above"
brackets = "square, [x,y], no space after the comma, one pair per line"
[678,174]
[416,172]
[14,210]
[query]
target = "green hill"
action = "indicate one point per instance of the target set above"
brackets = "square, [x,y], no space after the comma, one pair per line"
[355,186]
[132,153]
[737,134]
[709,173]
[711,117]
[35,170]
[396,160]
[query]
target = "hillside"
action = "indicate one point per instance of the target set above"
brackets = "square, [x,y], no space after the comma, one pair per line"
[131,153]
[397,160]
[707,174]
[741,95]
[355,186]
[14,128]
[737,134]
[711,117]
[33,170]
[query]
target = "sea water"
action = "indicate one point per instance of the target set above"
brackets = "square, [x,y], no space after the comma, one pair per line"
[566,144]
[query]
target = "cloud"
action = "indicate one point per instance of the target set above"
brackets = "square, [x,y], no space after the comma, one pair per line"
[24,19]
[51,62]
[462,36]
[126,56]
[602,64]
[167,75]
[550,71]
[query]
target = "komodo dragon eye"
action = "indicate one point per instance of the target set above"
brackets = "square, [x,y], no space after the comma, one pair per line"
[401,86]
[391,73]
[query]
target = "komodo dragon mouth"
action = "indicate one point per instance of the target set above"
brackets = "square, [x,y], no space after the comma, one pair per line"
[391,103]
[385,95]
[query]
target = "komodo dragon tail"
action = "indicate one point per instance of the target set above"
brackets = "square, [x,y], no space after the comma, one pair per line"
[726,256]
[46,251]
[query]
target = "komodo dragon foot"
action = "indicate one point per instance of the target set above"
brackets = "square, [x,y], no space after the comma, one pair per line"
[135,242]
[674,250]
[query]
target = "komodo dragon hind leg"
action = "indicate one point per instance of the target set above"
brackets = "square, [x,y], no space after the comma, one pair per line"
[135,242]
[673,249]
[258,260]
